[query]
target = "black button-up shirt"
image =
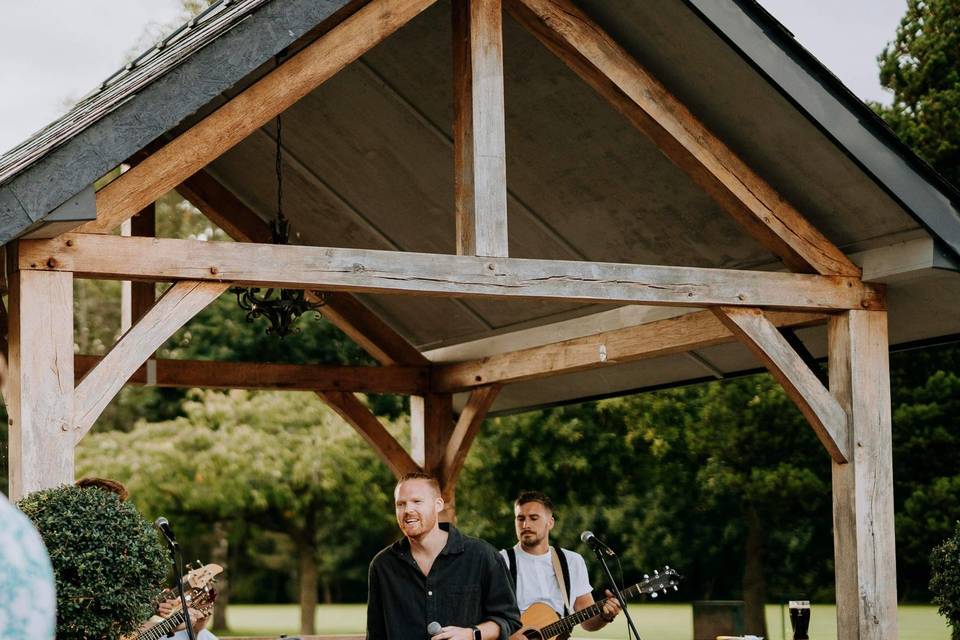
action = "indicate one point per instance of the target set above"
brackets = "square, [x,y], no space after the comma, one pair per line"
[467,584]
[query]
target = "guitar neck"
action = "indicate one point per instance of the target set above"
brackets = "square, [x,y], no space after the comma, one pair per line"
[566,625]
[162,628]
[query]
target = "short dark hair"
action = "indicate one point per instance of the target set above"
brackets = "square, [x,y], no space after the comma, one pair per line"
[106,484]
[419,475]
[534,496]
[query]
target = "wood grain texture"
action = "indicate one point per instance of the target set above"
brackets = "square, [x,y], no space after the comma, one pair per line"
[464,433]
[347,313]
[822,411]
[479,139]
[178,304]
[186,374]
[431,423]
[606,349]
[39,391]
[369,427]
[249,110]
[863,517]
[375,271]
[681,137]
[138,297]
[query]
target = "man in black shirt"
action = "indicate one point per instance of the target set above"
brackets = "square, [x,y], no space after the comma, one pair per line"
[437,574]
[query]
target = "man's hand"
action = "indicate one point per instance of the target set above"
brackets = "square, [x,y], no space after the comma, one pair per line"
[166,608]
[454,633]
[611,608]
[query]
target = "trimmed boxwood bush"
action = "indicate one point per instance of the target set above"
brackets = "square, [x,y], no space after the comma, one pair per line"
[945,580]
[107,560]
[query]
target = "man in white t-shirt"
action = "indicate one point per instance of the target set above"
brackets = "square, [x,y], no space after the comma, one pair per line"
[535,562]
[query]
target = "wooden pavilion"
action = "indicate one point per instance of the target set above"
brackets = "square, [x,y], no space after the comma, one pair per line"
[736,206]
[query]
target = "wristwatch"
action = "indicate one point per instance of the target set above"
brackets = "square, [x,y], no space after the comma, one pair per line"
[476,633]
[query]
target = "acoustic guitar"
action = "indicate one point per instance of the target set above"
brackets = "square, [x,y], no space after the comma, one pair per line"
[541,622]
[200,595]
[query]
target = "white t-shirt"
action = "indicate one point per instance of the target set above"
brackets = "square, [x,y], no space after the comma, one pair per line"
[537,582]
[202,635]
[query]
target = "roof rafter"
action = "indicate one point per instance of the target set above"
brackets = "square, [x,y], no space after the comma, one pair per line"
[633,91]
[250,109]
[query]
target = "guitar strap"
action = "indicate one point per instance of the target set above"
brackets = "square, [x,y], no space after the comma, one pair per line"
[562,572]
[512,565]
[560,568]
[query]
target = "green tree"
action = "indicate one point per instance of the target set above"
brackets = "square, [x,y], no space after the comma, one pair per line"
[106,558]
[945,583]
[280,460]
[922,69]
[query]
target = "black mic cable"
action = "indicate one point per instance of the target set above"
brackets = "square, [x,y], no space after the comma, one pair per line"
[163,526]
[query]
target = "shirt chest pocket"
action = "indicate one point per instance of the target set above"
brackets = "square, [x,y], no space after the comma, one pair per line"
[460,606]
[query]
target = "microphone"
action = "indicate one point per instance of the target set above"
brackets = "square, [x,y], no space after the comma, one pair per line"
[594,543]
[434,628]
[164,527]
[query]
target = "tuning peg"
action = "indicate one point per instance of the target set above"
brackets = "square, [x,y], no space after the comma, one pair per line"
[675,588]
[654,594]
[655,572]
[666,567]
[646,576]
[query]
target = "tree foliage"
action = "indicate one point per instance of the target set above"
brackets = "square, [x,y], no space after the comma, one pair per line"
[922,69]
[945,582]
[107,560]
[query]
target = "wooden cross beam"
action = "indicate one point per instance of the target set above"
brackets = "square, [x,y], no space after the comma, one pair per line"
[463,435]
[367,425]
[822,411]
[305,267]
[633,91]
[178,304]
[187,374]
[673,335]
[249,110]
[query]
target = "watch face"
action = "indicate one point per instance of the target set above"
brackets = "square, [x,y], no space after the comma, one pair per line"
[476,634]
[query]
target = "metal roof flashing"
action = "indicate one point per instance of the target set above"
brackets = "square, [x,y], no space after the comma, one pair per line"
[770,48]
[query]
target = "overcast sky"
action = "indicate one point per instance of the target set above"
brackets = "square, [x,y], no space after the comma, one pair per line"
[53,52]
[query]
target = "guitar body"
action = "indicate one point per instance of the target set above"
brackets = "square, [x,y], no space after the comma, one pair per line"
[537,616]
[541,622]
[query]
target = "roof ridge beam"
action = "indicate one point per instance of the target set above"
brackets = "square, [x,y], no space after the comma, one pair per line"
[250,109]
[604,65]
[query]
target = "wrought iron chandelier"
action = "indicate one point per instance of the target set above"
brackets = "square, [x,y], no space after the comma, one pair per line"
[281,307]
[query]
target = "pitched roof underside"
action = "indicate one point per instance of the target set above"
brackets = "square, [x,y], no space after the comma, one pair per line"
[368,163]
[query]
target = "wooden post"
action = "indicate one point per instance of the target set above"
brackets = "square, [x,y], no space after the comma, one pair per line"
[138,297]
[431,423]
[480,165]
[40,380]
[863,525]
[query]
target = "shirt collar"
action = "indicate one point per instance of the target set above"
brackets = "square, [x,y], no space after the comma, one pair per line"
[454,541]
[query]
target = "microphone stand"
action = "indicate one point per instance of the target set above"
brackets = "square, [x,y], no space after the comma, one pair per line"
[616,590]
[178,569]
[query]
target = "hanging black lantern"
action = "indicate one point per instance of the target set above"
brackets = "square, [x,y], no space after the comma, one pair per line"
[281,307]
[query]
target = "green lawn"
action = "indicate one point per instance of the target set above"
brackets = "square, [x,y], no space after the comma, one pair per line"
[654,622]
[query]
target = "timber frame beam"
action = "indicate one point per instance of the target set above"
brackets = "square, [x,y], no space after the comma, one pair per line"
[673,335]
[187,374]
[249,110]
[304,267]
[604,65]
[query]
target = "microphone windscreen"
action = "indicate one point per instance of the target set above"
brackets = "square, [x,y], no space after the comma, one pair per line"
[434,628]
[586,535]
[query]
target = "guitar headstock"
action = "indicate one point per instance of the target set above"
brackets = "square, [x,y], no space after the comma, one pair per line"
[200,577]
[662,581]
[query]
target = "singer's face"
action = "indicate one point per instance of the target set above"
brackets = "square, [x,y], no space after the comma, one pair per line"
[533,522]
[417,505]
